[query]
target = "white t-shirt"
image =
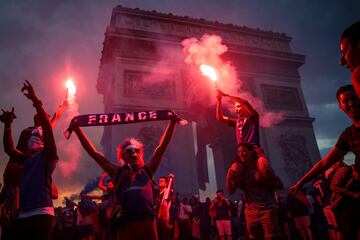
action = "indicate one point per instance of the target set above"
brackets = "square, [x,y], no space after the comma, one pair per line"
[37,211]
[185,210]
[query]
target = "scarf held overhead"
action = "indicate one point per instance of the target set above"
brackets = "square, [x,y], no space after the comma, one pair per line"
[105,119]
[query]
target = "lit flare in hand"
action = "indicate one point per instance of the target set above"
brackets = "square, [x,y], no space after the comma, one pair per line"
[71,90]
[208,71]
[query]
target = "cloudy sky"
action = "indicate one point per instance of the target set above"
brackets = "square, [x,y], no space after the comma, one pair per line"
[45,41]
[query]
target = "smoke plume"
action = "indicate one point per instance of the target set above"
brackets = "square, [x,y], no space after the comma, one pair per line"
[69,149]
[208,50]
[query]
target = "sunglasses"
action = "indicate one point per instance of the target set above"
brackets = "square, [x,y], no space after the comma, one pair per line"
[130,150]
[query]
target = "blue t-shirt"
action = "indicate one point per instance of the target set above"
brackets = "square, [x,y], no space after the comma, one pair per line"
[36,181]
[247,129]
[137,195]
[257,196]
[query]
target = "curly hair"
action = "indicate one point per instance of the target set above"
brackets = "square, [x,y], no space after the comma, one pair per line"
[127,142]
[344,88]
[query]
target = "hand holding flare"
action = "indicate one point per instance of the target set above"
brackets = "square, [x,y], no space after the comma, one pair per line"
[210,72]
[71,90]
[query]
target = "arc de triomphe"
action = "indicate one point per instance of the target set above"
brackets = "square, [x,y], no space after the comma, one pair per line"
[136,41]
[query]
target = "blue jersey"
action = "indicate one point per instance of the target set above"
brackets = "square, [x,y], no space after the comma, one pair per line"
[247,129]
[36,181]
[136,196]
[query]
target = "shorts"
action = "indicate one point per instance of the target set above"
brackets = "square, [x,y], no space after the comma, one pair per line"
[223,227]
[265,219]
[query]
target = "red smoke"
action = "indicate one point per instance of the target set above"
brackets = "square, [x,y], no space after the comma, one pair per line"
[207,51]
[69,150]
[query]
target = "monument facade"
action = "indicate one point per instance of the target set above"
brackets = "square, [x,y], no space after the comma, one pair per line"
[139,46]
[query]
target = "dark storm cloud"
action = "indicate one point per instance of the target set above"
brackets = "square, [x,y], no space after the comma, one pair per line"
[38,38]
[315,27]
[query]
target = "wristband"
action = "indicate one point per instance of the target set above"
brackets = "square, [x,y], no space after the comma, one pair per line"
[37,103]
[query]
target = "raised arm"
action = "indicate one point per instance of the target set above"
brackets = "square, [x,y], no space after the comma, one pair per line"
[104,163]
[7,118]
[245,104]
[330,159]
[49,140]
[59,111]
[219,111]
[160,149]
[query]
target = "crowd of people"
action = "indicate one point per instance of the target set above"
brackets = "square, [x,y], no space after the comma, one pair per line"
[135,207]
[300,217]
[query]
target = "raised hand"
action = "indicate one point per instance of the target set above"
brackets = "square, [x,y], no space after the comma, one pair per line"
[219,95]
[219,92]
[65,103]
[7,116]
[73,124]
[28,91]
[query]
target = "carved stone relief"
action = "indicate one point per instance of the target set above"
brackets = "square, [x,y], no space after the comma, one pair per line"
[135,42]
[135,85]
[138,49]
[295,154]
[186,30]
[279,97]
